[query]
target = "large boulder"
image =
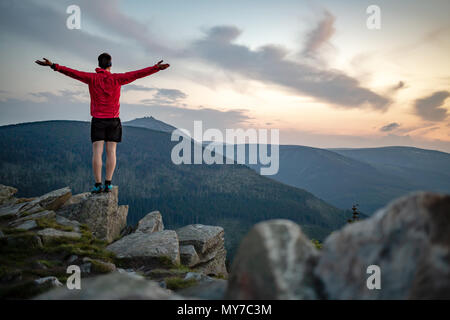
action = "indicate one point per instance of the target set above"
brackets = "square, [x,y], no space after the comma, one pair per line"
[208,242]
[149,250]
[410,242]
[100,212]
[274,261]
[6,193]
[113,286]
[49,201]
[152,222]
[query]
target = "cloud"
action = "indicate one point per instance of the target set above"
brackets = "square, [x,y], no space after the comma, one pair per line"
[320,35]
[161,95]
[431,107]
[269,64]
[389,127]
[108,14]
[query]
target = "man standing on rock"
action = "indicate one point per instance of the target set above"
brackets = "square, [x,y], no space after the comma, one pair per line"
[104,89]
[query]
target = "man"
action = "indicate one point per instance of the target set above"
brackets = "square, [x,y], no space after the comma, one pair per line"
[104,89]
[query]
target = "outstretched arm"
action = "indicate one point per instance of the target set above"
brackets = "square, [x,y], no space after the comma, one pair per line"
[127,77]
[78,75]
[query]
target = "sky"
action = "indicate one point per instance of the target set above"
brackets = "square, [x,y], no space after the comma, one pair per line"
[312,69]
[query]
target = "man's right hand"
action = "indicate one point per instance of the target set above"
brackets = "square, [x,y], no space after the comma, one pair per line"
[44,63]
[162,66]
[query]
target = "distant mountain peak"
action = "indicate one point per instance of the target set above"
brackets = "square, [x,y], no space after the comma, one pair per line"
[150,122]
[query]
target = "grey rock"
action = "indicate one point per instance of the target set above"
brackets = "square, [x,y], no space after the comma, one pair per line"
[113,286]
[51,281]
[50,233]
[42,214]
[208,242]
[214,266]
[100,266]
[152,222]
[409,240]
[49,201]
[11,210]
[2,235]
[189,256]
[68,223]
[274,261]
[202,237]
[6,193]
[99,211]
[147,249]
[27,225]
[197,276]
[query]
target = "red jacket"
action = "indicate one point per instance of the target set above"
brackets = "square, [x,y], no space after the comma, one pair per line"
[104,87]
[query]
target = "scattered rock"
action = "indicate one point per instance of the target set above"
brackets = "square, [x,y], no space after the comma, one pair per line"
[99,266]
[113,286]
[68,223]
[52,281]
[99,211]
[27,225]
[6,193]
[152,222]
[409,240]
[50,233]
[49,201]
[189,256]
[274,261]
[10,210]
[147,249]
[43,214]
[197,276]
[208,242]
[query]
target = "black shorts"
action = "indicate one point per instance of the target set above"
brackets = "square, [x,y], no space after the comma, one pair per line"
[107,129]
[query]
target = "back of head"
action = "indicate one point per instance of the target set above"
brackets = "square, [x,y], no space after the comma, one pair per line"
[104,60]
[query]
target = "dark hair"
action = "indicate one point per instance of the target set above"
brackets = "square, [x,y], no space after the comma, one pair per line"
[104,60]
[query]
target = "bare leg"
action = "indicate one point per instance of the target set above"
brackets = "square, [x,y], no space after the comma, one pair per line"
[97,151]
[110,159]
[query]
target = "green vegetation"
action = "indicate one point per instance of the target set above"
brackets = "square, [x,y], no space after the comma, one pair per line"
[177,283]
[25,257]
[317,244]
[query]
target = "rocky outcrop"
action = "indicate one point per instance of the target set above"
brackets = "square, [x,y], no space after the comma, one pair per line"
[152,222]
[147,249]
[274,261]
[49,234]
[409,240]
[49,201]
[113,286]
[6,193]
[100,212]
[208,244]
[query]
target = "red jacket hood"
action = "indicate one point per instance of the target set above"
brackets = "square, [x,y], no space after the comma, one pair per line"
[100,70]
